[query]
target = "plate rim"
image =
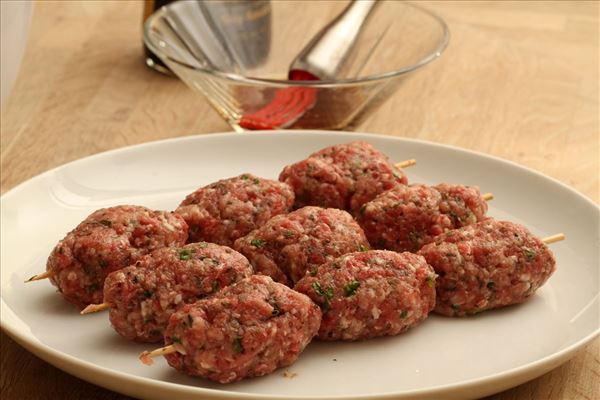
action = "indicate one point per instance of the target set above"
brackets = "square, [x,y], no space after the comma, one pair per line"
[49,354]
[296,132]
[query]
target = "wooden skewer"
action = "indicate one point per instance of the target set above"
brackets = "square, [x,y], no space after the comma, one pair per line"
[92,308]
[487,196]
[554,238]
[41,276]
[406,163]
[146,356]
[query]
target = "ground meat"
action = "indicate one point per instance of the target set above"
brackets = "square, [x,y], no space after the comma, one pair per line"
[370,294]
[228,209]
[143,296]
[407,217]
[487,265]
[108,240]
[343,176]
[289,245]
[248,329]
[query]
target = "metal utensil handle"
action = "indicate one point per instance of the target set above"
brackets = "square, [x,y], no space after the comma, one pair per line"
[326,53]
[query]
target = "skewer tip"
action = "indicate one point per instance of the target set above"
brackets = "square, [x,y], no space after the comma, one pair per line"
[406,163]
[554,238]
[39,277]
[147,356]
[92,308]
[487,196]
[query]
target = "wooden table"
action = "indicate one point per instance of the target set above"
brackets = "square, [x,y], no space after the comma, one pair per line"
[519,81]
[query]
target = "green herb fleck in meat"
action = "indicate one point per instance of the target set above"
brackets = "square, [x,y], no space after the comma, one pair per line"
[175,339]
[190,320]
[403,314]
[244,177]
[276,311]
[313,271]
[319,290]
[414,236]
[350,288]
[363,247]
[455,306]
[430,281]
[215,286]
[455,217]
[185,254]
[288,234]
[363,208]
[327,294]
[529,254]
[147,294]
[491,285]
[106,222]
[258,242]
[237,344]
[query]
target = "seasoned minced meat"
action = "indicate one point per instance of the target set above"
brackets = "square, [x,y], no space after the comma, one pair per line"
[248,329]
[289,245]
[487,265]
[343,176]
[107,240]
[407,217]
[370,294]
[228,209]
[143,296]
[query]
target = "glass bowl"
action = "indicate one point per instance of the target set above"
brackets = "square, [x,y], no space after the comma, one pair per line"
[238,54]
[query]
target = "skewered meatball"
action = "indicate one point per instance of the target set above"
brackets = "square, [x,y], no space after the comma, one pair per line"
[143,296]
[487,265]
[289,245]
[407,217]
[370,294]
[228,209]
[107,240]
[248,329]
[343,176]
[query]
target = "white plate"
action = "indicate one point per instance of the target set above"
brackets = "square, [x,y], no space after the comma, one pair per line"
[442,358]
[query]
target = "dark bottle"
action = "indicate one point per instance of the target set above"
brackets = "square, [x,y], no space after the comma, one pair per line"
[151,59]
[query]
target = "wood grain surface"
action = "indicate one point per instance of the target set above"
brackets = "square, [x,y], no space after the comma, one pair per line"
[519,81]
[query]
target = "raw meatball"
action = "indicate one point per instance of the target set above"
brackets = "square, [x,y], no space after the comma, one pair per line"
[289,245]
[228,209]
[343,176]
[407,217]
[108,240]
[143,296]
[370,294]
[487,265]
[248,329]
